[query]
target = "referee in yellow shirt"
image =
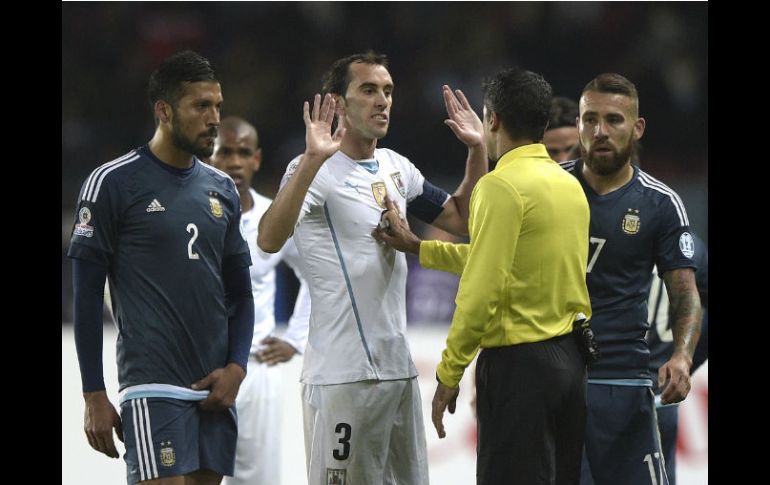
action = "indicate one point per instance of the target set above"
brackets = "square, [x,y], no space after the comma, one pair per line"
[523,285]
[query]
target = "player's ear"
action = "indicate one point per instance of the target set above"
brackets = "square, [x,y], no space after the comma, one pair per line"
[639,128]
[494,122]
[339,107]
[257,159]
[162,111]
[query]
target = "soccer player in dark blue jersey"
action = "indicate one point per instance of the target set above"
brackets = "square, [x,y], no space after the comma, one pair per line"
[164,228]
[637,222]
[660,339]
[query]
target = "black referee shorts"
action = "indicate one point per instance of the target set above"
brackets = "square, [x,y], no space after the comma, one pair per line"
[531,402]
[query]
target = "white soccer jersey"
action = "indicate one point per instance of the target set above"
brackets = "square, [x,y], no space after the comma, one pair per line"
[262,272]
[357,286]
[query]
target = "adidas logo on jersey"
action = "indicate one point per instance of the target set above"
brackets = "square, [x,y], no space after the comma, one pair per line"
[155,206]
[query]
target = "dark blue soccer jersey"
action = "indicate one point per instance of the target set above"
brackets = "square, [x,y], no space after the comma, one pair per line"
[660,336]
[636,227]
[163,233]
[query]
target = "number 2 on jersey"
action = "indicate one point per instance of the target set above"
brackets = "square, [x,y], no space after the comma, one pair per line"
[192,229]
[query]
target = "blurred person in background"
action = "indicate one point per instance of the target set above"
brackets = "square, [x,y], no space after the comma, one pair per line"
[362,406]
[164,227]
[561,136]
[637,222]
[258,451]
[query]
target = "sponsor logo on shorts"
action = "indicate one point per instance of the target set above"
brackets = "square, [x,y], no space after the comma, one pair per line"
[336,476]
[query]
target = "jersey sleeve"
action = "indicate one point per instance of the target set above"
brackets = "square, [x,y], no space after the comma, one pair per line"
[94,234]
[494,237]
[236,251]
[414,181]
[444,256]
[424,200]
[316,193]
[674,243]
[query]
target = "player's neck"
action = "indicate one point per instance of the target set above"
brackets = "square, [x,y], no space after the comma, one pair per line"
[604,184]
[162,147]
[358,148]
[246,201]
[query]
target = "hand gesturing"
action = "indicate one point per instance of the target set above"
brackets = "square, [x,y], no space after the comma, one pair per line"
[319,140]
[463,121]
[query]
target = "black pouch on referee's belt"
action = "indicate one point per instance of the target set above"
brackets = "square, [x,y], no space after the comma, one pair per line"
[584,336]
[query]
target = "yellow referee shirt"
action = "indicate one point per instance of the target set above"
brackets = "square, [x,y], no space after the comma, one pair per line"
[524,271]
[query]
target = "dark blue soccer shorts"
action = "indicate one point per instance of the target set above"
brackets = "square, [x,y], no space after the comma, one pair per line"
[622,444]
[668,420]
[169,437]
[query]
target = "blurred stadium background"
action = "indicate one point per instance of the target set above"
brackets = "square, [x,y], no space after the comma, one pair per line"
[270,57]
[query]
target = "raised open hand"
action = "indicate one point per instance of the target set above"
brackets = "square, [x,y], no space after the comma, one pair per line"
[319,140]
[463,121]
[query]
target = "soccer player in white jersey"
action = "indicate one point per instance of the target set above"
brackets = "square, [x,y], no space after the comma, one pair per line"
[362,408]
[258,449]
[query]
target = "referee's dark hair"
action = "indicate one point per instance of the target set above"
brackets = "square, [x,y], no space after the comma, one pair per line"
[522,101]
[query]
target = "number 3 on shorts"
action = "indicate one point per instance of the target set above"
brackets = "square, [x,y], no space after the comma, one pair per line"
[345,429]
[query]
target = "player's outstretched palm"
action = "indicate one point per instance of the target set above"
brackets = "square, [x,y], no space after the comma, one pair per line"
[463,121]
[319,140]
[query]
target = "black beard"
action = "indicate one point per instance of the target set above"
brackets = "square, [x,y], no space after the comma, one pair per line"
[600,165]
[185,144]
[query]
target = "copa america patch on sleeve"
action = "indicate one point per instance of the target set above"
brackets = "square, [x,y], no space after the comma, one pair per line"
[82,228]
[291,169]
[687,244]
[336,476]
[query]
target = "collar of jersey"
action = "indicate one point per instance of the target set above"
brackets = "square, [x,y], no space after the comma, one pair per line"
[371,165]
[534,150]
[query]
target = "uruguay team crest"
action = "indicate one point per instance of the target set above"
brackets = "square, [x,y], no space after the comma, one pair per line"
[167,455]
[631,222]
[399,183]
[216,207]
[379,191]
[336,476]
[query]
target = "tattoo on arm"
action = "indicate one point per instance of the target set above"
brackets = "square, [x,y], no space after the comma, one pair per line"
[686,311]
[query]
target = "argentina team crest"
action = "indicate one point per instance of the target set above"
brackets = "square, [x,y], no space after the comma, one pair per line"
[215,205]
[631,222]
[399,183]
[336,476]
[379,191]
[167,455]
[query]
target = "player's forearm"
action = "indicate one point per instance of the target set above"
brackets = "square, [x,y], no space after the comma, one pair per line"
[687,316]
[278,222]
[476,166]
[686,310]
